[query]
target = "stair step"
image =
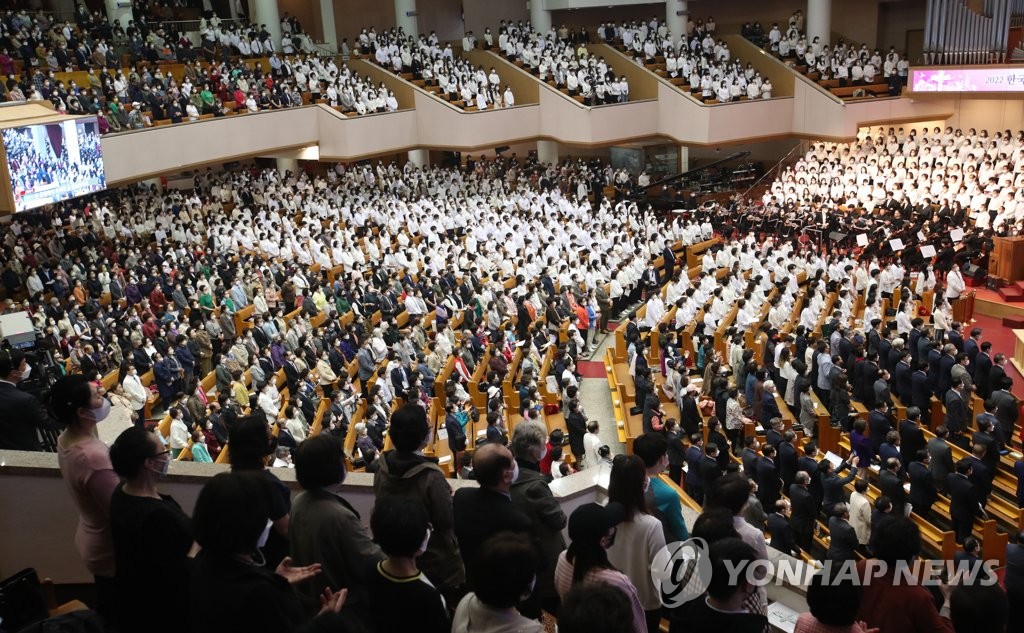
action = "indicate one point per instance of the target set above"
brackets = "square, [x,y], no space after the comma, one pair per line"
[1013,322]
[1020,284]
[1011,294]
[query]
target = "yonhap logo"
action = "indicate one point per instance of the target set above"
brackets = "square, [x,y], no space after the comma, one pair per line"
[681,571]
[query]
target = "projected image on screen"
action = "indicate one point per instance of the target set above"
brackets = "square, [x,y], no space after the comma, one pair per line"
[53,162]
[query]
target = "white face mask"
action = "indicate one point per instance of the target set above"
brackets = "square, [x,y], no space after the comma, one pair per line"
[99,413]
[543,453]
[426,541]
[515,471]
[25,374]
[165,466]
[265,535]
[647,484]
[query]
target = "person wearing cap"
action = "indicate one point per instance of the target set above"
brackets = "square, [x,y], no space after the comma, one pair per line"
[406,473]
[592,530]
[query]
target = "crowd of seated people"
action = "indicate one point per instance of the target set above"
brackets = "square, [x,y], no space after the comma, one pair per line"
[564,63]
[703,63]
[843,65]
[424,58]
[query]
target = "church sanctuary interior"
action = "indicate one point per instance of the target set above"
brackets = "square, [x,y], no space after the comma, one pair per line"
[512,316]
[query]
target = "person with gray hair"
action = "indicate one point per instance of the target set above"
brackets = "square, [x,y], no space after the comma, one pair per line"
[531,494]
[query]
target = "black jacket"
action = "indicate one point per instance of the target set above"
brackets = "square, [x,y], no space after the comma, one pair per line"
[20,431]
[769,483]
[843,541]
[805,510]
[922,487]
[782,533]
[481,513]
[891,485]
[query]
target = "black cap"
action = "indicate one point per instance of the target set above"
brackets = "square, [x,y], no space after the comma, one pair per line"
[590,523]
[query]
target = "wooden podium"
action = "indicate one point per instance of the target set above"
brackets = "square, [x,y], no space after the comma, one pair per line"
[963,308]
[1007,259]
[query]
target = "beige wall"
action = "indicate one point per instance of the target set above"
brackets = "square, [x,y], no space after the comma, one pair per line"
[145,153]
[352,16]
[856,20]
[990,114]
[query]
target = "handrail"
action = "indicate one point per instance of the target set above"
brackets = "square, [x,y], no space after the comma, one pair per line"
[776,169]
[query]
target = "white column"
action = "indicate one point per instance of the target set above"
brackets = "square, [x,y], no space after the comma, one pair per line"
[676,17]
[419,157]
[327,20]
[819,20]
[122,14]
[547,152]
[265,12]
[409,23]
[285,165]
[540,18]
[684,158]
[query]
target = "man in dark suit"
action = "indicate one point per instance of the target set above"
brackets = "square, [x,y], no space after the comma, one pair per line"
[773,437]
[998,372]
[769,483]
[749,456]
[941,457]
[981,366]
[879,425]
[985,436]
[24,416]
[787,459]
[780,529]
[920,390]
[890,483]
[1007,409]
[480,513]
[963,500]
[694,455]
[808,462]
[843,540]
[710,471]
[981,476]
[971,345]
[670,260]
[804,510]
[944,380]
[769,407]
[955,336]
[923,493]
[912,438]
[901,378]
[957,413]
[832,484]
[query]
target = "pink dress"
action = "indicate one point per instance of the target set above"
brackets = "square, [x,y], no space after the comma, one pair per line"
[91,480]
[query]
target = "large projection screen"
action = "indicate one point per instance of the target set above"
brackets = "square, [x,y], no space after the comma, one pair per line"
[50,162]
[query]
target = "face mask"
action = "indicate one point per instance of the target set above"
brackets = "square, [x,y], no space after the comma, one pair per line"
[99,413]
[647,484]
[165,466]
[25,374]
[515,471]
[265,535]
[543,453]
[426,541]
[529,591]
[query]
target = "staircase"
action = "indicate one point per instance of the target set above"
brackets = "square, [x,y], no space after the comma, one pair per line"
[1013,293]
